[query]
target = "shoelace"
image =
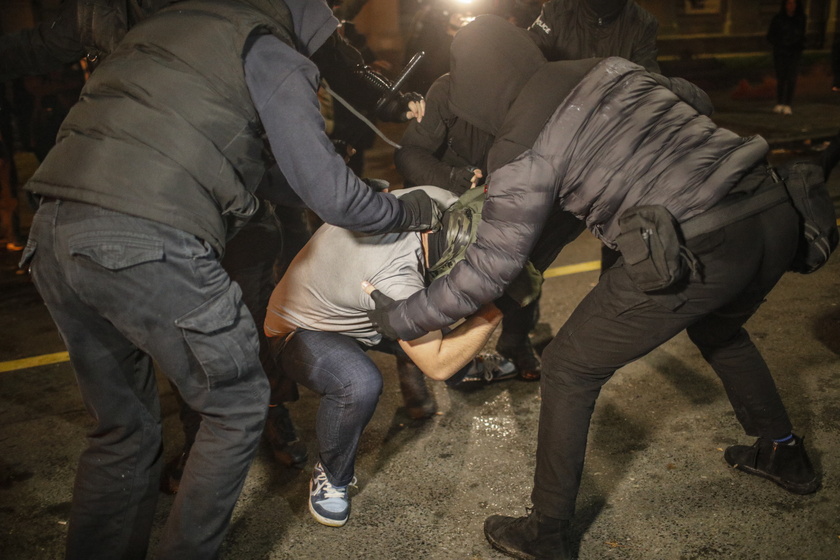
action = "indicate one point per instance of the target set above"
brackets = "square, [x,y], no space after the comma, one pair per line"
[491,366]
[330,491]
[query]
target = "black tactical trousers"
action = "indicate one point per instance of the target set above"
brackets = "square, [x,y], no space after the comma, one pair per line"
[617,323]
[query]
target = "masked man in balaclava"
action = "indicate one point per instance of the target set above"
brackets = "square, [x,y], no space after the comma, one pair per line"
[609,142]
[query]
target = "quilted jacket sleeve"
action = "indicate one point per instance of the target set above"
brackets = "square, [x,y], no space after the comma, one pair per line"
[520,197]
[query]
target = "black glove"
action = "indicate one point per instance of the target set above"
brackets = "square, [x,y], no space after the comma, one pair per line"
[395,109]
[379,316]
[460,178]
[420,212]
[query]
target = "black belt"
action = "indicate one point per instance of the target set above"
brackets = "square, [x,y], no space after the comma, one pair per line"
[729,212]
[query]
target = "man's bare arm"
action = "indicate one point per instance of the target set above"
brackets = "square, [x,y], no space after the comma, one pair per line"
[440,356]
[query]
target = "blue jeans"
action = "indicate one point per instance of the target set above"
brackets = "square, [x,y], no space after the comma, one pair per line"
[336,367]
[125,292]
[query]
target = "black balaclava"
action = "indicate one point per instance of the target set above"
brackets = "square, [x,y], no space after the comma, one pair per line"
[491,60]
[437,245]
[607,9]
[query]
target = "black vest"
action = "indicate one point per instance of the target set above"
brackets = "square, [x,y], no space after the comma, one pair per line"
[165,129]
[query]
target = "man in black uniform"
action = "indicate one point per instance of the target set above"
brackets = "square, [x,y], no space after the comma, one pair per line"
[609,142]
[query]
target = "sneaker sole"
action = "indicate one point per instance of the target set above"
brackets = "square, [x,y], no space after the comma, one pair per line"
[326,520]
[793,487]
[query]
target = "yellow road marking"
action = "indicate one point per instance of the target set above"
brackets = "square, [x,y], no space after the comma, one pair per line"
[35,361]
[588,266]
[59,357]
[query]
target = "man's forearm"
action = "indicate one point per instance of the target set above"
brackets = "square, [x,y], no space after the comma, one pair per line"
[440,357]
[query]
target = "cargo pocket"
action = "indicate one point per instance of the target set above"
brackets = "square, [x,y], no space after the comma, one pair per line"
[218,340]
[116,250]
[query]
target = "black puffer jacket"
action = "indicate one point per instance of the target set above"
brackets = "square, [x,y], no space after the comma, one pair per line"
[596,137]
[576,29]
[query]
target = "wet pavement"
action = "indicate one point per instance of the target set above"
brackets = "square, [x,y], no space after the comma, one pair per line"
[655,484]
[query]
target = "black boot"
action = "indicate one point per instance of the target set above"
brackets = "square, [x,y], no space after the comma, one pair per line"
[523,357]
[786,464]
[281,437]
[419,401]
[533,537]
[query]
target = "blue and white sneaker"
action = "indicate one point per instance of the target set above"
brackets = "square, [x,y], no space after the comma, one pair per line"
[328,504]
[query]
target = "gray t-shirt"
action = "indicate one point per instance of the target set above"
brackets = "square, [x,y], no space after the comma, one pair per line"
[322,288]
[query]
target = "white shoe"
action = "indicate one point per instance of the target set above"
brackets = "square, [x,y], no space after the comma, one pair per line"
[778,109]
[786,110]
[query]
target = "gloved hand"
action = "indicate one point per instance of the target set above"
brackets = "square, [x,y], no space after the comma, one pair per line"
[461,179]
[397,109]
[420,212]
[379,316]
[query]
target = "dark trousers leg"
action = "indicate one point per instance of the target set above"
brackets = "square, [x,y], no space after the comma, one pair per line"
[517,324]
[787,72]
[249,261]
[124,291]
[616,324]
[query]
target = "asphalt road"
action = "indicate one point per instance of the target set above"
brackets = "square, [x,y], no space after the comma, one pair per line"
[655,485]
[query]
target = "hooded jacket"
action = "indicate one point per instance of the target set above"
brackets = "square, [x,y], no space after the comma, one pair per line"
[167,129]
[595,136]
[460,123]
[577,29]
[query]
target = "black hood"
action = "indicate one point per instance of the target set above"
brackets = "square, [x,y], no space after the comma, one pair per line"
[490,56]
[313,20]
[607,9]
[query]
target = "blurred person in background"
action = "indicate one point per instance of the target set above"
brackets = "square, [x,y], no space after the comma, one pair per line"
[787,37]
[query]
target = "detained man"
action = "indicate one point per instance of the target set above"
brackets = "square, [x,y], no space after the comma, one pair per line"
[318,322]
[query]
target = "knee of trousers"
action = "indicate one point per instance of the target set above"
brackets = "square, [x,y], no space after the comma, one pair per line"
[565,364]
[363,390]
[712,339]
